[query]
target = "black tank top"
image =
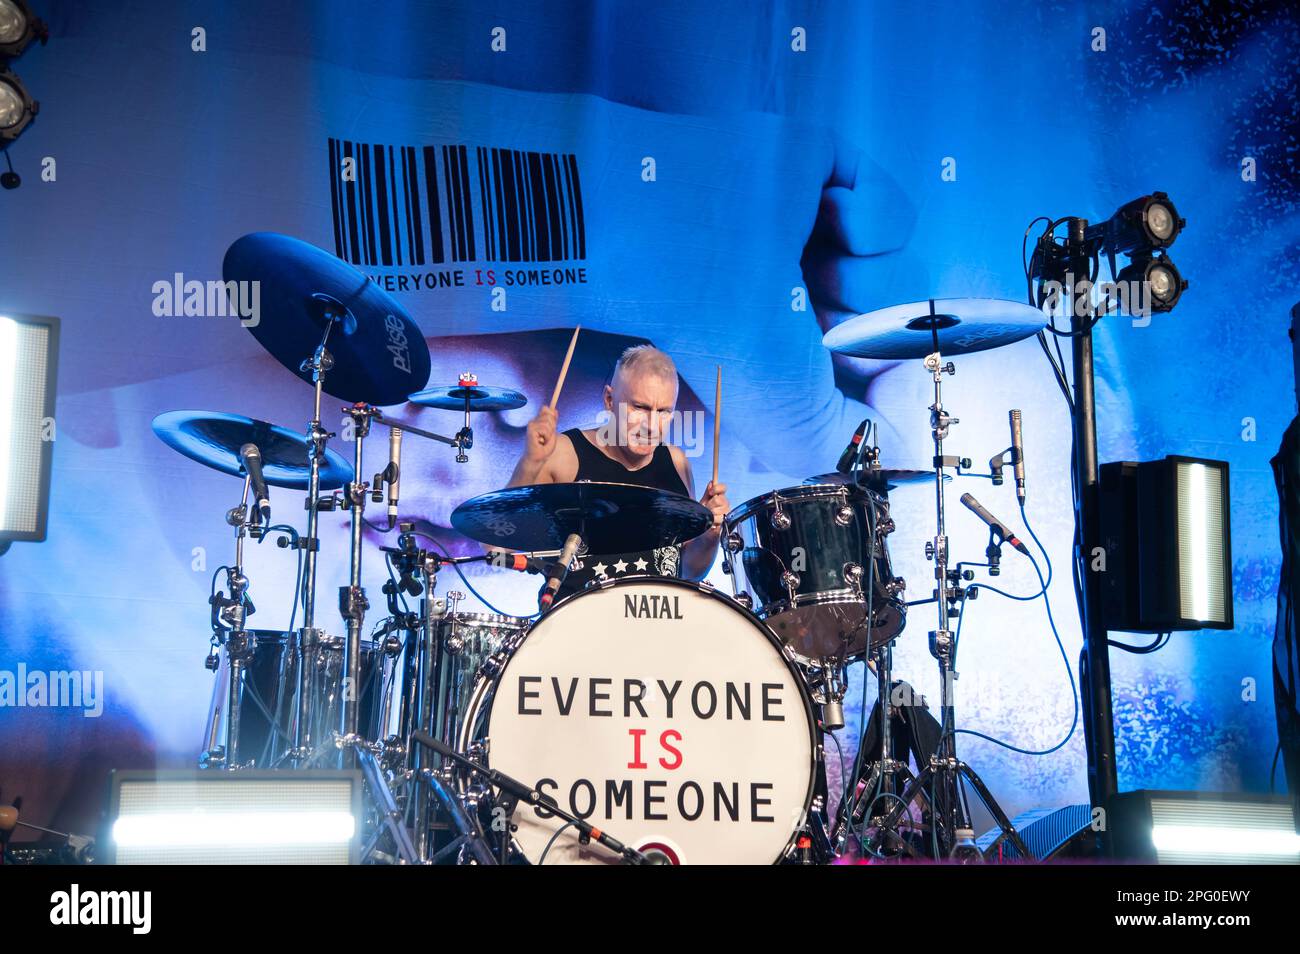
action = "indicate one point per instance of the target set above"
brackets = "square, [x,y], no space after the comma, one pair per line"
[661,472]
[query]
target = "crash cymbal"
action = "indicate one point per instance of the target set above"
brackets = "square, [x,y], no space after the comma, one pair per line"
[213,438]
[481,398]
[610,517]
[886,478]
[959,325]
[379,354]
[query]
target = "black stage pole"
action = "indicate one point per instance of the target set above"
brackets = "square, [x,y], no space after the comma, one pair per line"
[1099,727]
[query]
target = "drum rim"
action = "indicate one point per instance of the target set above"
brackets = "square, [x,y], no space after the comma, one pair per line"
[485,685]
[799,492]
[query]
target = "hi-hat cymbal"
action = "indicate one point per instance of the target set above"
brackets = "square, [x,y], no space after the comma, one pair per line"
[379,354]
[610,517]
[481,398]
[213,438]
[955,325]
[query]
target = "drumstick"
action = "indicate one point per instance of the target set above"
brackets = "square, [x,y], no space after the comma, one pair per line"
[717,423]
[564,370]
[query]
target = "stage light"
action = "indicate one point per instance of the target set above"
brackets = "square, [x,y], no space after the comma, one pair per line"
[252,817]
[17,108]
[28,359]
[1147,223]
[1158,275]
[1166,531]
[18,28]
[1204,828]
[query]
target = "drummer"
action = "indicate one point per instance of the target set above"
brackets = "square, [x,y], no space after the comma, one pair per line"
[629,449]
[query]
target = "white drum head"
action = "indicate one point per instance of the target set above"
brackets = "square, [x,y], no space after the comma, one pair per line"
[718,769]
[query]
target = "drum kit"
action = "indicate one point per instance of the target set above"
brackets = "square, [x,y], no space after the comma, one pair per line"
[643,719]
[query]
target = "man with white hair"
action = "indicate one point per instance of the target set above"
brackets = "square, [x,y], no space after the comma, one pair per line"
[628,449]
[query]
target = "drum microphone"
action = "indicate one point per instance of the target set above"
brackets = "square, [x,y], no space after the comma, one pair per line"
[996,525]
[556,574]
[850,452]
[394,472]
[529,795]
[1018,456]
[522,562]
[251,458]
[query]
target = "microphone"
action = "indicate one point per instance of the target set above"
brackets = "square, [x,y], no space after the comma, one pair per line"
[251,458]
[850,452]
[522,562]
[555,576]
[1018,456]
[394,472]
[996,525]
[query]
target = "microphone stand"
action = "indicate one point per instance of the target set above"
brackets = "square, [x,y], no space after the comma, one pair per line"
[516,791]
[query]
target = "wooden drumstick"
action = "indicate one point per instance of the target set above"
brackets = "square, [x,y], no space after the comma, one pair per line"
[717,423]
[564,370]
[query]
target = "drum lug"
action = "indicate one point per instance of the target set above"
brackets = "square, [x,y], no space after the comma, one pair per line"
[745,600]
[844,516]
[733,543]
[896,586]
[853,577]
[790,580]
[780,520]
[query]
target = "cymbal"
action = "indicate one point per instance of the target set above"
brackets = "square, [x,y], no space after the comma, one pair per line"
[379,354]
[960,325]
[481,398]
[213,438]
[610,517]
[886,478]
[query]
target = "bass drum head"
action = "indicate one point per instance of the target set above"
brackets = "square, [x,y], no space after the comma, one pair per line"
[663,713]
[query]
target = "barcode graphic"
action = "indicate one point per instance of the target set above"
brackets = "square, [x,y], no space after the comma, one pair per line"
[408,205]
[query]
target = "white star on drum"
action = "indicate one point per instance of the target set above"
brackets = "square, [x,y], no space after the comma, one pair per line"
[641,565]
[620,566]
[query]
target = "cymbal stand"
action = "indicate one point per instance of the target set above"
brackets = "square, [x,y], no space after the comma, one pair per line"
[308,639]
[229,615]
[951,817]
[352,598]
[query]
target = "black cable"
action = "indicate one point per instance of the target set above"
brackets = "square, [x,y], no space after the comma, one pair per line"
[546,850]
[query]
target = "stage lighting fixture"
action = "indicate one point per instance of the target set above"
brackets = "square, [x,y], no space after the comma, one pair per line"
[17,108]
[18,28]
[1166,532]
[249,817]
[1147,223]
[1162,280]
[28,364]
[1205,828]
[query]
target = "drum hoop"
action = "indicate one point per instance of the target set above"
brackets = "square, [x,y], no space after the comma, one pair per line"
[483,693]
[802,492]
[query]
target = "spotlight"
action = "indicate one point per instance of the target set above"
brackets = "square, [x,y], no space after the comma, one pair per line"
[17,108]
[1205,828]
[1167,535]
[28,359]
[1147,223]
[1163,282]
[252,817]
[18,28]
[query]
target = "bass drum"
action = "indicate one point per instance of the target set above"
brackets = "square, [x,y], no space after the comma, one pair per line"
[658,710]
